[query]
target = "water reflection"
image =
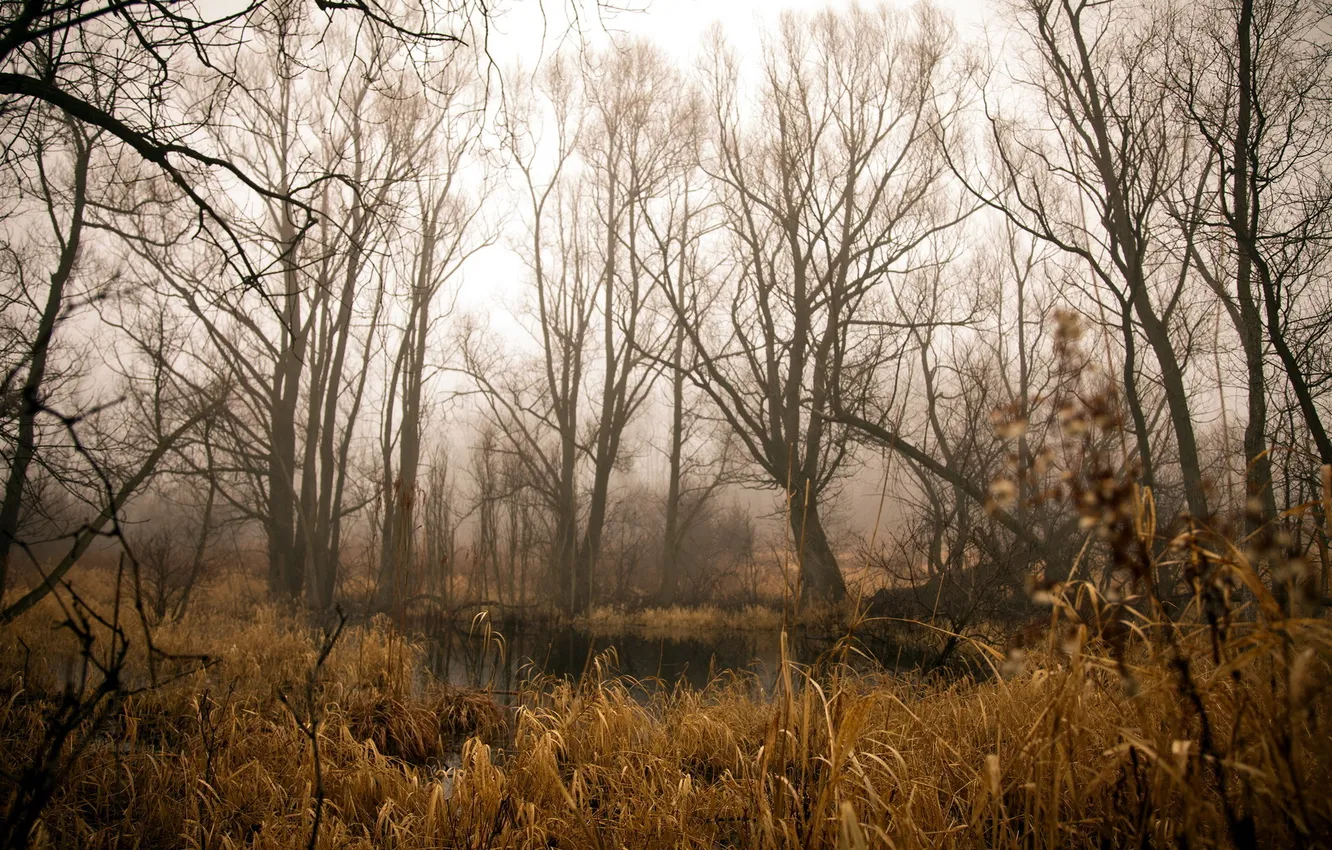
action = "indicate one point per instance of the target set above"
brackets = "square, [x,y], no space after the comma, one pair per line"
[478,659]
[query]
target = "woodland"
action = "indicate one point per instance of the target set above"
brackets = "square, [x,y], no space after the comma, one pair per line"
[332,327]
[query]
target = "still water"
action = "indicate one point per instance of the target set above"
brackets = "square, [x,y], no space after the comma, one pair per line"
[503,662]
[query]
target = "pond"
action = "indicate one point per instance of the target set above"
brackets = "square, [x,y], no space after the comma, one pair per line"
[503,662]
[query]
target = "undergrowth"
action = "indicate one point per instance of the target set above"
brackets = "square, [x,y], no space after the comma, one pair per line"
[1117,730]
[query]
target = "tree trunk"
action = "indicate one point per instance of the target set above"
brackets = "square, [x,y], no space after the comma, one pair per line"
[25,447]
[590,550]
[1258,481]
[1133,399]
[1124,224]
[285,573]
[1177,402]
[820,577]
[670,554]
[566,530]
[304,550]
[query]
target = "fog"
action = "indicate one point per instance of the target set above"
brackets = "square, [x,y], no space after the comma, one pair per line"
[580,306]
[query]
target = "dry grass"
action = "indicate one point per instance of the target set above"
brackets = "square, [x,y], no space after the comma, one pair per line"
[1114,732]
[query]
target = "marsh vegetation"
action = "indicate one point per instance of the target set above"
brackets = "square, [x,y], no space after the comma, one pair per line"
[438,423]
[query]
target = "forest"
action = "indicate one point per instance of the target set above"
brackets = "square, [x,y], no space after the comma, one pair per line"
[437,423]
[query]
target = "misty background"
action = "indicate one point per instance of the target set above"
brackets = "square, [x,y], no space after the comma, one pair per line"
[578,306]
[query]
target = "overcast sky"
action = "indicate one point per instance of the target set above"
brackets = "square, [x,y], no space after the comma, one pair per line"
[675,25]
[525,31]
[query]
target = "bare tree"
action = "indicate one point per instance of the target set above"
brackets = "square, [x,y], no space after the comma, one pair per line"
[444,231]
[1252,81]
[151,85]
[975,523]
[171,550]
[373,150]
[612,119]
[77,58]
[486,479]
[439,522]
[1093,180]
[538,412]
[26,378]
[834,191]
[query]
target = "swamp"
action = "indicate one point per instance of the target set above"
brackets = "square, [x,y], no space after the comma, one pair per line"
[618,424]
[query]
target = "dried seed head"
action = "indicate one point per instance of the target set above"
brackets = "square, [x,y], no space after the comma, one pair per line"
[1003,492]
[992,774]
[1068,327]
[1013,664]
[1072,421]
